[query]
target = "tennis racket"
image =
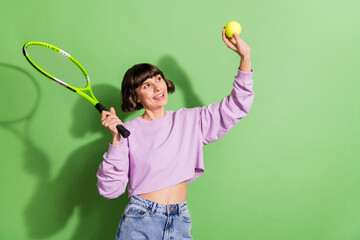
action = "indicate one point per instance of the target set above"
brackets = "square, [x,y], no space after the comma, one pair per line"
[53,62]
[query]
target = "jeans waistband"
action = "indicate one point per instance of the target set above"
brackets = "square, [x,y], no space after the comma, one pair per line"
[154,206]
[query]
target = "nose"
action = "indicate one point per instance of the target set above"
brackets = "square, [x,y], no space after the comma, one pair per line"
[157,87]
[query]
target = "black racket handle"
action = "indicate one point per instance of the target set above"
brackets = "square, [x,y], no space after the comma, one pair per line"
[122,130]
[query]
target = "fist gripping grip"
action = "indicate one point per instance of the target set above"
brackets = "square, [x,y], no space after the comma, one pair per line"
[122,130]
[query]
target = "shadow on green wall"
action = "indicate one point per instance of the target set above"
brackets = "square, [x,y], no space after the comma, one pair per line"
[20,96]
[73,190]
[19,100]
[175,73]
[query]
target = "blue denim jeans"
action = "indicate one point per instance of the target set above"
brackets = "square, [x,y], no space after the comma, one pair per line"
[145,219]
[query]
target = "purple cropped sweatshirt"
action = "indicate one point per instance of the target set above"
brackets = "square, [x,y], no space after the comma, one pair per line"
[164,152]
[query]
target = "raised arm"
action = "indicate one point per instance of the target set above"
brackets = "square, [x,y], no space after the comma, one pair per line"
[218,118]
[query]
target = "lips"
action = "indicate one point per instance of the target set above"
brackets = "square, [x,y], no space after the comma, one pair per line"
[159,96]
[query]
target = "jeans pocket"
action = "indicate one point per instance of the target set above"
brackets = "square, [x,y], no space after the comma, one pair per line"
[135,211]
[185,216]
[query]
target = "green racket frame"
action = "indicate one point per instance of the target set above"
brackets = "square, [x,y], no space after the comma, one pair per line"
[80,91]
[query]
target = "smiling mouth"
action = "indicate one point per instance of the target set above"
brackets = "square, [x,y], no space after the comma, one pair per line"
[159,96]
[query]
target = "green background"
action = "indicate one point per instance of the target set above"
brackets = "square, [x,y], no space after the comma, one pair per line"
[290,170]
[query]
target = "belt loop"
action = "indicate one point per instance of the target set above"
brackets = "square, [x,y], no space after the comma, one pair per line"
[179,209]
[153,207]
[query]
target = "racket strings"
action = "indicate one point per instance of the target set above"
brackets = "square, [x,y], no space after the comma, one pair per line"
[59,65]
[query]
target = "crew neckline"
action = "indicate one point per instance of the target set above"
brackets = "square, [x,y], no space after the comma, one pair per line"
[156,120]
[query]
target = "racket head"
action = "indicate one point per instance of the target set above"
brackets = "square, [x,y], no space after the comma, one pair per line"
[49,58]
[54,77]
[40,54]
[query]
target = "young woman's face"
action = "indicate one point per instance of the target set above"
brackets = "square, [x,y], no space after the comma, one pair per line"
[152,94]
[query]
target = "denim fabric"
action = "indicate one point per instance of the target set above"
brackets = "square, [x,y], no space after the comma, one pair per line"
[145,219]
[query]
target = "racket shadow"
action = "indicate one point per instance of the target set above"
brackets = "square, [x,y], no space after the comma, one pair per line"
[16,115]
[73,190]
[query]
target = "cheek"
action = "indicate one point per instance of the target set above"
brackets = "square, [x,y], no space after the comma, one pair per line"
[147,94]
[164,86]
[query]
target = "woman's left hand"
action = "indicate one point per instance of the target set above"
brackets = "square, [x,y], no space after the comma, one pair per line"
[237,44]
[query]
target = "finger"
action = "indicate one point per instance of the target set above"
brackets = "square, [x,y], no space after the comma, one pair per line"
[112,110]
[112,120]
[108,119]
[231,45]
[105,122]
[244,49]
[223,34]
[225,38]
[238,41]
[241,42]
[116,118]
[227,41]
[105,114]
[233,48]
[113,124]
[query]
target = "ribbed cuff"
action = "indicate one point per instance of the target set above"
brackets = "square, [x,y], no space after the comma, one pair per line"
[244,78]
[244,75]
[114,150]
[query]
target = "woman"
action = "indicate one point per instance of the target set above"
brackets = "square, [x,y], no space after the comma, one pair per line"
[164,151]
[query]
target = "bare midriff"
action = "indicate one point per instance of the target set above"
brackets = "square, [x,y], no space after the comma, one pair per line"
[171,195]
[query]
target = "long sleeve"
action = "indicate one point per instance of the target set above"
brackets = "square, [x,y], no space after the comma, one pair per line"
[113,171]
[218,118]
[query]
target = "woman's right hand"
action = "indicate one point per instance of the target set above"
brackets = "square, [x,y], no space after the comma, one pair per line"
[237,45]
[110,121]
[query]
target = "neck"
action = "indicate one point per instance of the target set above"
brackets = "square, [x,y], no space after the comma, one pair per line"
[151,115]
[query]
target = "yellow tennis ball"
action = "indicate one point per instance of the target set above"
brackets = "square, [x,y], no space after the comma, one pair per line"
[231,28]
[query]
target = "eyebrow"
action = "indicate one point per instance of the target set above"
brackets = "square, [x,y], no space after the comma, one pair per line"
[146,81]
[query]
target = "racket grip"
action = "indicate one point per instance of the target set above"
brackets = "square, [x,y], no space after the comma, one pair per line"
[122,130]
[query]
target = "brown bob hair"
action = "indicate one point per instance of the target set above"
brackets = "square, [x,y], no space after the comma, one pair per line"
[133,78]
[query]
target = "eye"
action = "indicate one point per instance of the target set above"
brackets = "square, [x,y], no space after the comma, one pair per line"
[159,78]
[146,85]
